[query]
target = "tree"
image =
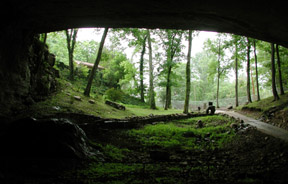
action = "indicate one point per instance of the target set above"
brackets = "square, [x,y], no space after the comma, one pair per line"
[256,70]
[95,66]
[221,66]
[141,70]
[203,86]
[71,42]
[274,90]
[188,73]
[171,41]
[85,51]
[279,70]
[117,69]
[138,40]
[236,75]
[218,71]
[151,77]
[248,71]
[236,46]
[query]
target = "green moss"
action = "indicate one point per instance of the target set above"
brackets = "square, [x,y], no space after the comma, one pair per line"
[183,134]
[208,120]
[114,153]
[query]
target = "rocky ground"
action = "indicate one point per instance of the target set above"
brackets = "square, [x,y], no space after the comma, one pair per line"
[278,118]
[249,157]
[269,111]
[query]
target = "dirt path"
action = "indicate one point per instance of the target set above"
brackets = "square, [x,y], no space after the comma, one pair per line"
[261,126]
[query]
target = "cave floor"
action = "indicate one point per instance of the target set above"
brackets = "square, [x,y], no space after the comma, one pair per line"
[249,157]
[135,156]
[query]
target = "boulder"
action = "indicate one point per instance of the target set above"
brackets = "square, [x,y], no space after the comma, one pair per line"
[44,139]
[115,105]
[77,98]
[91,101]
[200,124]
[230,107]
[234,126]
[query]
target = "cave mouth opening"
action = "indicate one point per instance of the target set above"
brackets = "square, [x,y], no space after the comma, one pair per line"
[17,67]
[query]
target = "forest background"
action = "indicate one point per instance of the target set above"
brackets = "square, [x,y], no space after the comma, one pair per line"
[211,62]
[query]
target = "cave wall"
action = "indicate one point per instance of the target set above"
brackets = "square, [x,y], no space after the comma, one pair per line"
[26,71]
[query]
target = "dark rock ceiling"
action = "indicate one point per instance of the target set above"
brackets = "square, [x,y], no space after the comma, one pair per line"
[267,20]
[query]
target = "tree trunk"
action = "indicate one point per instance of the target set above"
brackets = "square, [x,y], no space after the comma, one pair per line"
[218,75]
[45,38]
[274,90]
[253,87]
[279,70]
[151,78]
[168,90]
[169,98]
[217,95]
[236,76]
[95,66]
[141,70]
[188,74]
[256,71]
[248,72]
[71,41]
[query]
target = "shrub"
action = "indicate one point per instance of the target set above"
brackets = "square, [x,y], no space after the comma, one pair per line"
[113,94]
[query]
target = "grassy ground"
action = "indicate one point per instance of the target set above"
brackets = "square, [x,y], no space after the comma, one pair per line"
[63,101]
[267,103]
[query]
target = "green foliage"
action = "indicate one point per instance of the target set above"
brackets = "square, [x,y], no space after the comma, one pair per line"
[114,94]
[218,47]
[115,71]
[118,95]
[121,73]
[128,82]
[127,99]
[86,51]
[57,45]
[81,72]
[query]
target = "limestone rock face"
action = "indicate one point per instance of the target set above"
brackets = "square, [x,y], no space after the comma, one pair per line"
[26,76]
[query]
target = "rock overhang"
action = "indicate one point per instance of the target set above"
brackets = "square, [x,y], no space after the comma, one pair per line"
[265,21]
